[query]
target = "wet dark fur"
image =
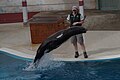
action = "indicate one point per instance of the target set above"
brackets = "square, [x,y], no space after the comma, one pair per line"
[52,42]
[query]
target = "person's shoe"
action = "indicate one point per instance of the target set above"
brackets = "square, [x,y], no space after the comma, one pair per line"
[76,54]
[85,55]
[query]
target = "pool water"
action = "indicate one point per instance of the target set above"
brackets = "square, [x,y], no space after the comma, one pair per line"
[13,68]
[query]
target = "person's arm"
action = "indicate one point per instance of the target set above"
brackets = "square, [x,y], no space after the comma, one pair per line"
[82,18]
[81,22]
[67,22]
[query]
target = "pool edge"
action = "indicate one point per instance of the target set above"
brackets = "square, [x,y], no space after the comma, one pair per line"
[17,54]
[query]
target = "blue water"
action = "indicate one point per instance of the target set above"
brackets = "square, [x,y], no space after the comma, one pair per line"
[13,68]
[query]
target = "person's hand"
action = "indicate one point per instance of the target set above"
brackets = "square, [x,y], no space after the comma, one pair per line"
[75,23]
[67,23]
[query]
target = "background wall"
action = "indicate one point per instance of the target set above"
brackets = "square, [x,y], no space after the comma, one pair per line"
[11,10]
[10,6]
[90,4]
[15,6]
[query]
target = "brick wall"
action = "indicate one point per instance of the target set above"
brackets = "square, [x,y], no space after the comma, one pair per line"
[14,17]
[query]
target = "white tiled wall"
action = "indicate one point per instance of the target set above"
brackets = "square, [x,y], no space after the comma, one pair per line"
[14,6]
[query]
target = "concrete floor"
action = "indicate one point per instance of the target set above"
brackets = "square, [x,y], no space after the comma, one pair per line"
[99,44]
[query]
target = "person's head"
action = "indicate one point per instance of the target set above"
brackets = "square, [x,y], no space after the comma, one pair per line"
[75,9]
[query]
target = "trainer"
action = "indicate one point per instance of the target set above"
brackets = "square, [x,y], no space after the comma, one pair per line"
[75,19]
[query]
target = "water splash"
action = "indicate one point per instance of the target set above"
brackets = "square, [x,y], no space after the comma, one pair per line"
[45,63]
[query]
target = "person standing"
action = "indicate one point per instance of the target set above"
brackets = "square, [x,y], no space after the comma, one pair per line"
[75,19]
